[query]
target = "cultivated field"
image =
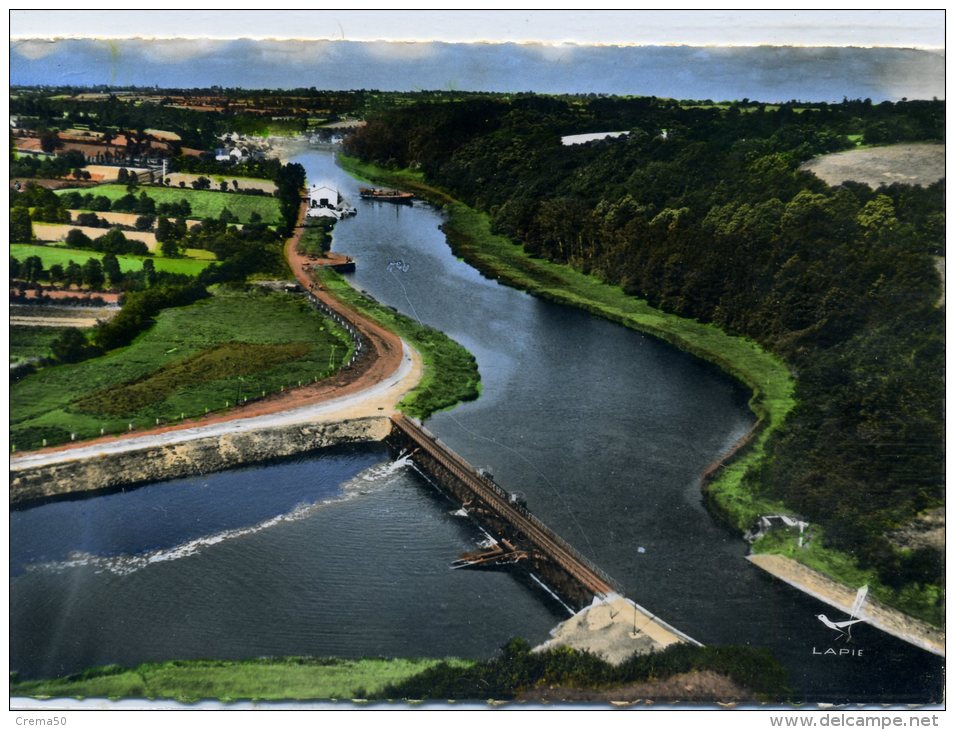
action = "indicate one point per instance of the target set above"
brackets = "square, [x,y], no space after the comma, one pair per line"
[914,164]
[40,315]
[62,256]
[204,203]
[232,346]
[59,231]
[245,183]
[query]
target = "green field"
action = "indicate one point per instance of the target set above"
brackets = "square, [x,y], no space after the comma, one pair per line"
[28,343]
[231,346]
[204,203]
[62,256]
[254,679]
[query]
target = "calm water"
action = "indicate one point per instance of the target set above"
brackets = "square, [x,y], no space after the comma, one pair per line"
[603,430]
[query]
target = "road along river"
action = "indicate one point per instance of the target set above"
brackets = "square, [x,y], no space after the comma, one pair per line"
[604,431]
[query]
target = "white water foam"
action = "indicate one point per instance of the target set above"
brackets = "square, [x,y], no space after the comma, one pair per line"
[369,480]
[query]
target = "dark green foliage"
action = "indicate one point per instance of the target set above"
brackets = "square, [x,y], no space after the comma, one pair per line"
[75,238]
[289,181]
[93,273]
[21,227]
[72,346]
[517,669]
[704,213]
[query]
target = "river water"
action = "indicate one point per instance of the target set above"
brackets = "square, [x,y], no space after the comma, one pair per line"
[603,430]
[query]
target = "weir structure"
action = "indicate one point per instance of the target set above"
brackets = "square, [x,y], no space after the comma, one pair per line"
[522,539]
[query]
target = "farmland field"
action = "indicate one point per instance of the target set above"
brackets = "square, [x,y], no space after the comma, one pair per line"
[62,256]
[59,232]
[244,182]
[233,345]
[913,164]
[204,203]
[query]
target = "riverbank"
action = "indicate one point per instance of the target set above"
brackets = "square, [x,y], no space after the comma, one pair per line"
[450,374]
[828,591]
[162,462]
[767,377]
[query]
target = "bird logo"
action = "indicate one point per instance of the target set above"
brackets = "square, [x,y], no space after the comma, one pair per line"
[844,628]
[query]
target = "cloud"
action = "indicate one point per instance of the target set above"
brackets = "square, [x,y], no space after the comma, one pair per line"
[34,49]
[179,50]
[401,50]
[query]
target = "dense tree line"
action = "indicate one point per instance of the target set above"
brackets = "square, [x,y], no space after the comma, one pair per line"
[703,211]
[517,669]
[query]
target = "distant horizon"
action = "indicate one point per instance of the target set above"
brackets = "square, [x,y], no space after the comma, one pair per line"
[769,74]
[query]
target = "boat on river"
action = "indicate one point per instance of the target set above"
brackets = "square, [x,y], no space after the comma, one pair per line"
[390,194]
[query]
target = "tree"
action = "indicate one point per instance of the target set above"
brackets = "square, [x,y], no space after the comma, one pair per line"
[149,272]
[93,273]
[21,227]
[224,186]
[32,268]
[145,222]
[56,273]
[71,346]
[75,238]
[49,141]
[111,269]
[170,248]
[73,275]
[14,267]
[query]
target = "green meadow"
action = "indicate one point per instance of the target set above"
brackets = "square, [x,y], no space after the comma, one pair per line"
[208,355]
[293,678]
[204,203]
[62,255]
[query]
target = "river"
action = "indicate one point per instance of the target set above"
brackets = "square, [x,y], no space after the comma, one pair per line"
[603,430]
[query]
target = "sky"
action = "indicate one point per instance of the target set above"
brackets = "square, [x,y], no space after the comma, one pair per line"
[898,28]
[825,55]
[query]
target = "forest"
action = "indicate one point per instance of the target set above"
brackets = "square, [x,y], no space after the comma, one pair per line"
[702,210]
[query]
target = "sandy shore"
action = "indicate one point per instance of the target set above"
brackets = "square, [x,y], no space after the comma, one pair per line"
[886,619]
[606,628]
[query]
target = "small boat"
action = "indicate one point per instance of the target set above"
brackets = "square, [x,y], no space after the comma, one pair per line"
[395,196]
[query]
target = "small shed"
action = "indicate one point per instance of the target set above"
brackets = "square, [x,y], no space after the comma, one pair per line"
[322,196]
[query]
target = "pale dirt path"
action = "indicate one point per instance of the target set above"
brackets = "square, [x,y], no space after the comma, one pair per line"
[387,369]
[818,586]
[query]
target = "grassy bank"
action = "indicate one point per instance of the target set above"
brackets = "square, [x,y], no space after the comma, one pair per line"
[920,601]
[293,678]
[450,371]
[62,255]
[231,346]
[204,203]
[736,500]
